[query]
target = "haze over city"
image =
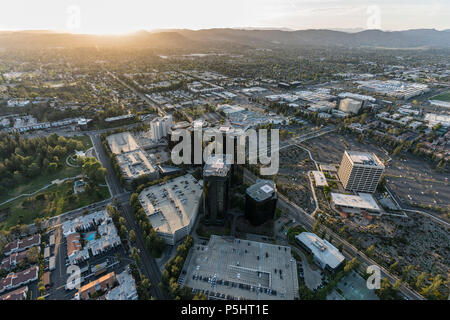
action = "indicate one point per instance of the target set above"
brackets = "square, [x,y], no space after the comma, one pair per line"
[118,17]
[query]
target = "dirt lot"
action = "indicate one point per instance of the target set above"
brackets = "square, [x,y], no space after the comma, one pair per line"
[292,177]
[412,179]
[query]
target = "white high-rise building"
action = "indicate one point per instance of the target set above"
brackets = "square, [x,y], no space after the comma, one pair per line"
[160,127]
[360,171]
[350,105]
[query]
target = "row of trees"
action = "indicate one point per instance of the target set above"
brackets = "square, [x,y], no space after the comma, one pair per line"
[153,243]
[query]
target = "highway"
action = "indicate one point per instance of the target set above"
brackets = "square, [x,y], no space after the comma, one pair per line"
[349,250]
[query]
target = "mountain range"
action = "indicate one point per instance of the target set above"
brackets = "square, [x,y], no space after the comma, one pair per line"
[182,38]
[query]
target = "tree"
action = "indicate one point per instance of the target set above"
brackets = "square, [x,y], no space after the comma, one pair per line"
[132,236]
[420,280]
[93,171]
[370,250]
[33,255]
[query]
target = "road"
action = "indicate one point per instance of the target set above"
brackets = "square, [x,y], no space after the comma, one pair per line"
[349,251]
[161,112]
[148,263]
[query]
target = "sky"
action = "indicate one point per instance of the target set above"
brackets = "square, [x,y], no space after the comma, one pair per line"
[123,16]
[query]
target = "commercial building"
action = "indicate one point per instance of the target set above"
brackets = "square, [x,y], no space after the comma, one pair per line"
[350,105]
[160,127]
[325,254]
[228,268]
[393,88]
[360,171]
[216,188]
[132,159]
[260,202]
[354,203]
[172,207]
[319,179]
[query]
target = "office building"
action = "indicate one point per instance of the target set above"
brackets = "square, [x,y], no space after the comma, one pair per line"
[325,254]
[216,188]
[160,127]
[350,105]
[260,202]
[360,171]
[172,207]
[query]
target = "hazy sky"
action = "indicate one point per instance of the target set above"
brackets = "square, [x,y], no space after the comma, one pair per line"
[119,16]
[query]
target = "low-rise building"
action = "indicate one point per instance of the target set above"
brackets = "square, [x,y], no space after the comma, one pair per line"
[325,254]
[172,207]
[22,244]
[228,268]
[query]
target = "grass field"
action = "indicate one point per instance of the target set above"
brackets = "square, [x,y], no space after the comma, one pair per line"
[442,97]
[46,178]
[51,202]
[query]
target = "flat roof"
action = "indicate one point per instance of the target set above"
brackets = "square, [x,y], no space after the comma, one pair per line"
[122,142]
[135,164]
[325,252]
[328,167]
[172,206]
[361,201]
[239,267]
[364,158]
[261,190]
[319,178]
[217,165]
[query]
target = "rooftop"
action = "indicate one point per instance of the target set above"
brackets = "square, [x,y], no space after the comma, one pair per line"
[361,201]
[242,269]
[172,206]
[217,165]
[319,178]
[122,142]
[325,252]
[364,158]
[261,190]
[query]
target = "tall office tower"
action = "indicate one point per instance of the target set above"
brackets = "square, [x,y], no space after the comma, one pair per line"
[160,127]
[260,202]
[360,171]
[216,188]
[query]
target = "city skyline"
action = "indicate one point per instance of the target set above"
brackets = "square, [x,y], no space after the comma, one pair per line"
[118,17]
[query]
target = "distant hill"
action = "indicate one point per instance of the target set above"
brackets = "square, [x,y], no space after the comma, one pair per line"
[254,38]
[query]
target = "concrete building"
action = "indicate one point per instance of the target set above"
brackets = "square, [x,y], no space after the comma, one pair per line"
[360,171]
[126,288]
[132,159]
[319,179]
[173,207]
[228,268]
[160,127]
[260,202]
[354,203]
[325,254]
[350,105]
[216,188]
